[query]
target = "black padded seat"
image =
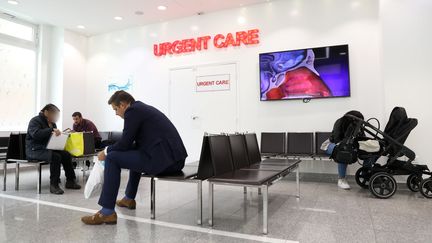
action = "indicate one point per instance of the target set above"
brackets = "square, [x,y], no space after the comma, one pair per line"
[270,167]
[186,173]
[279,161]
[279,165]
[273,143]
[300,144]
[248,177]
[320,137]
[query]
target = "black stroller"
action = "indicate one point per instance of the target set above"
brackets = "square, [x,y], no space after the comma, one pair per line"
[379,178]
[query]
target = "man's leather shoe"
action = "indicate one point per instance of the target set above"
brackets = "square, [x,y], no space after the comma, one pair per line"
[55,189]
[72,185]
[126,203]
[99,218]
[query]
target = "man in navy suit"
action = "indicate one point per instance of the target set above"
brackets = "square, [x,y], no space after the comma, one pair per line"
[150,144]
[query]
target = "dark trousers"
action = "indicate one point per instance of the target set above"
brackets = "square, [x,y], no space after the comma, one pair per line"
[137,164]
[56,159]
[61,158]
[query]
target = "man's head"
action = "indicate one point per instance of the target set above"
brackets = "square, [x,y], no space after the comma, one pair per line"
[51,112]
[77,118]
[120,101]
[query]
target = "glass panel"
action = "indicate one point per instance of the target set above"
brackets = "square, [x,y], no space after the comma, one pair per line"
[17,87]
[16,30]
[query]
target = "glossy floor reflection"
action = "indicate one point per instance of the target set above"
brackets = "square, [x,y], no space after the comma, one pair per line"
[323,214]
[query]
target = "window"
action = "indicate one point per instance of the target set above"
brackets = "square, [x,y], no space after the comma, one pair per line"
[18,67]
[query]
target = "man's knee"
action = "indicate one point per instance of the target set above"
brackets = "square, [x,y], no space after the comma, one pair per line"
[112,157]
[55,158]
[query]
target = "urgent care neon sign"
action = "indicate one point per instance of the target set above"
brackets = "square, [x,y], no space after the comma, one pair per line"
[250,37]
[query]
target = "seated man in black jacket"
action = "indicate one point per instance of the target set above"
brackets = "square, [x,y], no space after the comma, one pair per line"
[149,144]
[39,131]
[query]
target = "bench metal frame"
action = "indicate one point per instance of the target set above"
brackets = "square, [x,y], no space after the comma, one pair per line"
[264,190]
[193,179]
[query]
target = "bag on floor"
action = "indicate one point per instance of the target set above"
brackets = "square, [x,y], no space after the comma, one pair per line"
[95,181]
[80,143]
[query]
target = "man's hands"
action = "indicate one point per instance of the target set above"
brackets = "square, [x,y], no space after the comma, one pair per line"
[101,156]
[56,132]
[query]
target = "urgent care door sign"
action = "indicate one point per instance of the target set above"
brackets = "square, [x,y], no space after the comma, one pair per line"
[220,41]
[213,83]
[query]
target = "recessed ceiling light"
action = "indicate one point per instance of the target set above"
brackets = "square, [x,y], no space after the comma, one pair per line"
[13,2]
[81,27]
[162,8]
[118,18]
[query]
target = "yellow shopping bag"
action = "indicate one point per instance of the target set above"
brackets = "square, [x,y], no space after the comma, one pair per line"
[75,144]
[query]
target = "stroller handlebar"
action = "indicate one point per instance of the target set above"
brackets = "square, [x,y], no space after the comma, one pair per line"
[404,150]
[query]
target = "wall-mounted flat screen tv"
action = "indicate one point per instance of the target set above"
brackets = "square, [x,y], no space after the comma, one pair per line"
[321,72]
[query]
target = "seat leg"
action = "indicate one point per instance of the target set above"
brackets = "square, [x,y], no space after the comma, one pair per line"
[39,184]
[245,190]
[210,204]
[199,202]
[298,181]
[17,170]
[265,209]
[152,198]
[259,190]
[4,175]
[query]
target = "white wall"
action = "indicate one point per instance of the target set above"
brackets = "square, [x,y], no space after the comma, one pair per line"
[407,52]
[283,25]
[317,23]
[381,61]
[74,76]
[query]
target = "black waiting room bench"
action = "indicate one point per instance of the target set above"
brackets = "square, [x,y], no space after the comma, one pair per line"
[294,144]
[229,160]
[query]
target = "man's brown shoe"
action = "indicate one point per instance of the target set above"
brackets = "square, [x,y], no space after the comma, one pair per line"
[126,203]
[99,218]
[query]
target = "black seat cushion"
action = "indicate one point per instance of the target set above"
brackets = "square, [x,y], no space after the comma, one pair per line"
[290,162]
[187,173]
[246,177]
[271,167]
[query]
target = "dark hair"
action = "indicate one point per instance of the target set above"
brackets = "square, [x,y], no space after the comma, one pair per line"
[120,96]
[77,113]
[50,108]
[355,113]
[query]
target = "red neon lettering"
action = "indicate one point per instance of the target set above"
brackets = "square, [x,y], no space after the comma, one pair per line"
[241,37]
[202,43]
[216,42]
[253,36]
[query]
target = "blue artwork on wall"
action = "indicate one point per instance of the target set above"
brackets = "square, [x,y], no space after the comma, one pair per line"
[115,86]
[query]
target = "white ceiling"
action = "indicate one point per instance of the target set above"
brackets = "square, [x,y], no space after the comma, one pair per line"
[98,15]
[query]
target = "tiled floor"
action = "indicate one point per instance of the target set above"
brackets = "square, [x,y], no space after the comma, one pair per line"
[323,214]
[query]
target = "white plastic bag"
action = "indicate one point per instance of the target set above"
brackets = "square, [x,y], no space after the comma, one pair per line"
[95,180]
[325,145]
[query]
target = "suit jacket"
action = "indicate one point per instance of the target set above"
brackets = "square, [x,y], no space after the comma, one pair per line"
[149,131]
[38,135]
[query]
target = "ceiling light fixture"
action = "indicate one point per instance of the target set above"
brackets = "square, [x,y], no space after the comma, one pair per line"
[13,2]
[118,18]
[162,8]
[81,27]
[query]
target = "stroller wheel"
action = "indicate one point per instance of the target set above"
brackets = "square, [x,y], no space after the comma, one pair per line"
[413,182]
[382,185]
[362,177]
[426,188]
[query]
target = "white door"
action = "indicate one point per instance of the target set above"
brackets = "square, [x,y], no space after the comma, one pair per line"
[201,100]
